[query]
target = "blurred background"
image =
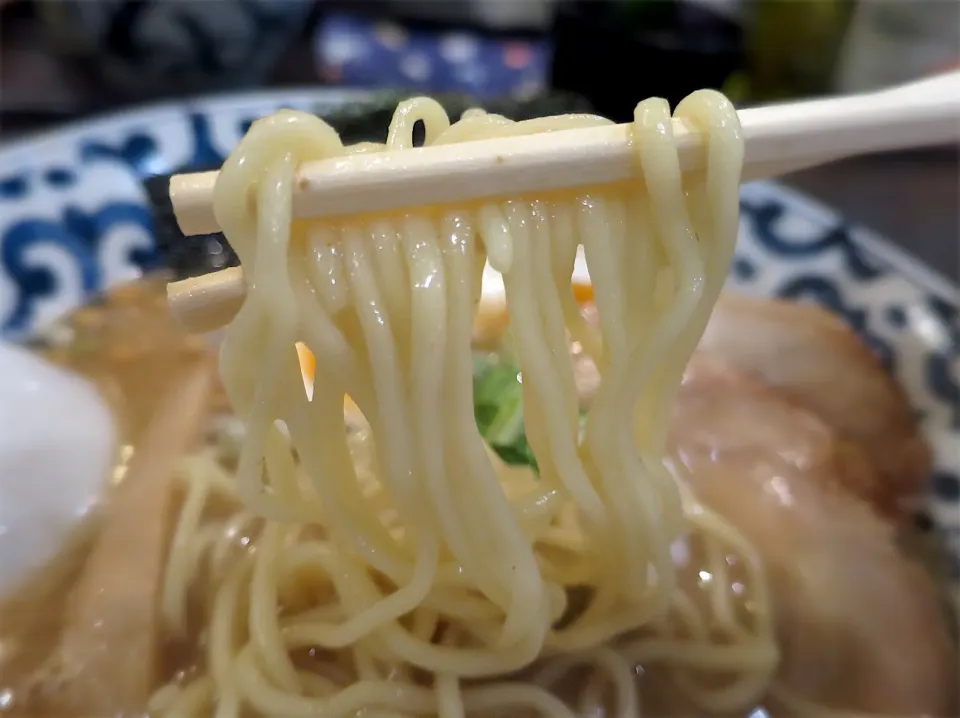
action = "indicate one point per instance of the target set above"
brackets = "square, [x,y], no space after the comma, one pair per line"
[65,59]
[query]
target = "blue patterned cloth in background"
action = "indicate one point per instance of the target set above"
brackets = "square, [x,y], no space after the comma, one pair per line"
[359,52]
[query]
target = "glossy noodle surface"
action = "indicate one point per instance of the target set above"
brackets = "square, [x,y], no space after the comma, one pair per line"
[417,571]
[403,508]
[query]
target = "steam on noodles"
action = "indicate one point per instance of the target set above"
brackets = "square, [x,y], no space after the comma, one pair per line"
[393,563]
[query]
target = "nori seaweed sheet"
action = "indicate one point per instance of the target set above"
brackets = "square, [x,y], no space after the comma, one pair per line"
[356,122]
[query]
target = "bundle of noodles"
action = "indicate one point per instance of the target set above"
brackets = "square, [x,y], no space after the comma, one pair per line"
[384,560]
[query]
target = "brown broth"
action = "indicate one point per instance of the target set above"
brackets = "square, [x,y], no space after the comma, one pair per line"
[130,347]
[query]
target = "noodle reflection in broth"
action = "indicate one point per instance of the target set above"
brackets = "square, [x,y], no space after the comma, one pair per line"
[391,563]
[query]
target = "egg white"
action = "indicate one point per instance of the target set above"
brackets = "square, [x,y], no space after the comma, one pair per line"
[58,442]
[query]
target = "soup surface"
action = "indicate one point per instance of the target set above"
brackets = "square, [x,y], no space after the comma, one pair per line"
[859,625]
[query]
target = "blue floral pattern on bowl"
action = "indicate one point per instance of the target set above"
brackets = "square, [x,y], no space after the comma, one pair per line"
[74,221]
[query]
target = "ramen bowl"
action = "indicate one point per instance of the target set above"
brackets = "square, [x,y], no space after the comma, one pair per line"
[77,228]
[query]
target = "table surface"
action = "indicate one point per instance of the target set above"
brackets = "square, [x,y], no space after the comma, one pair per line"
[912,198]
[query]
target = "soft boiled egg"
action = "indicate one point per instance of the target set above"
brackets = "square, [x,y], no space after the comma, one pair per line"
[58,443]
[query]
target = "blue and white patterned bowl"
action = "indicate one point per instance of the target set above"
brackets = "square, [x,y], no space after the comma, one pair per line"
[74,221]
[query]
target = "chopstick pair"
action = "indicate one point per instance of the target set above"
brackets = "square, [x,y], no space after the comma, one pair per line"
[778,139]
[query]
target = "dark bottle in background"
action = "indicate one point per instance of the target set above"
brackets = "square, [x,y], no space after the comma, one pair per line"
[617,52]
[792,47]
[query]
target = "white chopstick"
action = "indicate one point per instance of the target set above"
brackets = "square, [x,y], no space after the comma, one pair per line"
[779,139]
